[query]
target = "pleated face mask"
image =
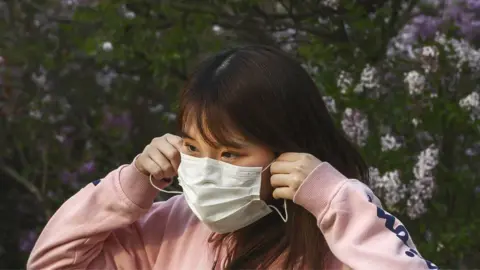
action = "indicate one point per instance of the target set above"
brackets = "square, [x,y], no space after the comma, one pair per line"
[223,196]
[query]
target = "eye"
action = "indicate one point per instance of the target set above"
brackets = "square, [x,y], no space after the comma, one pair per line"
[190,147]
[230,155]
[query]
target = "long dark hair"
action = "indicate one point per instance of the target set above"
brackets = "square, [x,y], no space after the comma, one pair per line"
[271,100]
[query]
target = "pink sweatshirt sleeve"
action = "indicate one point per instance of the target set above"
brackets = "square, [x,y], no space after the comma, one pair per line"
[358,231]
[102,226]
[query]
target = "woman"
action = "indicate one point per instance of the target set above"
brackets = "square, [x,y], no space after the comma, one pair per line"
[267,184]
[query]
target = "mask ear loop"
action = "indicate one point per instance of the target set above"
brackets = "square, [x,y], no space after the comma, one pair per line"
[283,217]
[162,190]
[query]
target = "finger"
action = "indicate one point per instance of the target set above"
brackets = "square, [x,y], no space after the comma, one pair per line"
[290,156]
[280,180]
[171,153]
[176,141]
[282,167]
[283,193]
[162,162]
[167,150]
[152,168]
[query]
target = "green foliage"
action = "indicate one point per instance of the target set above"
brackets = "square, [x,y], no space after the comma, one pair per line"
[85,87]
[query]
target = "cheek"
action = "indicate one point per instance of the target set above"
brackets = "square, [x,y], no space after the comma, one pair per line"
[266,188]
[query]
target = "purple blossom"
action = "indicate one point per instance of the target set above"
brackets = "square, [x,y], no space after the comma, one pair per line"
[470,28]
[462,14]
[87,167]
[51,194]
[425,26]
[67,129]
[355,125]
[70,178]
[123,120]
[27,241]
[473,5]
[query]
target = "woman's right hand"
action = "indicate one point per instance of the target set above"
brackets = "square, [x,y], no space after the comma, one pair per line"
[161,157]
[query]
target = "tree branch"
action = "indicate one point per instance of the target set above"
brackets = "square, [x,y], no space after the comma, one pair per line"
[45,164]
[28,185]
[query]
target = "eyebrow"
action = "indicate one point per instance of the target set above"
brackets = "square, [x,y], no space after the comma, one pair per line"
[183,134]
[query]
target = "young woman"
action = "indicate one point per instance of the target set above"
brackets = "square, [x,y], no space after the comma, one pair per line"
[267,184]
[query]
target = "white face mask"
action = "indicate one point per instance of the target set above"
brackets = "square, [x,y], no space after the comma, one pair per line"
[223,196]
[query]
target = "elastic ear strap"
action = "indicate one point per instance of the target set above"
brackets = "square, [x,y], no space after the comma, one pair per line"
[162,190]
[284,218]
[268,166]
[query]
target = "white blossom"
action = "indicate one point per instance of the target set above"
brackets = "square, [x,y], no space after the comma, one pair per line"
[157,108]
[470,152]
[466,54]
[429,57]
[368,77]
[461,52]
[330,104]
[421,188]
[415,207]
[40,77]
[429,51]
[427,160]
[331,3]
[170,116]
[416,122]
[47,98]
[217,29]
[402,43]
[441,39]
[60,138]
[107,46]
[35,114]
[374,175]
[389,185]
[344,81]
[389,143]
[355,125]
[471,103]
[415,82]
[311,69]
[130,15]
[440,246]
[106,77]
[70,2]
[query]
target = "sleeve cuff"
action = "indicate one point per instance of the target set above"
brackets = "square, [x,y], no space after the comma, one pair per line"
[319,188]
[137,188]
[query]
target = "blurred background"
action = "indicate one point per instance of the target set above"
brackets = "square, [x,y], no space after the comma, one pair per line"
[85,85]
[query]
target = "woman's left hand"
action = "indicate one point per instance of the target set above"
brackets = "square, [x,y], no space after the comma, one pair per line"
[289,171]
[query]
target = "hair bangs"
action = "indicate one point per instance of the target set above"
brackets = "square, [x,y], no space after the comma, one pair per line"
[212,122]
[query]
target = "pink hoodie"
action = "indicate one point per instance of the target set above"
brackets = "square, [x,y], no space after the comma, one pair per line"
[112,224]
